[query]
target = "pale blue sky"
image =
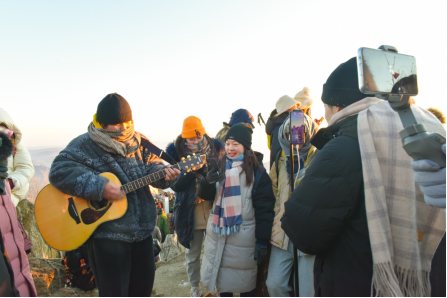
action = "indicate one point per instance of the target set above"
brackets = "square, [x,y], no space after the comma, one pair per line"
[172,59]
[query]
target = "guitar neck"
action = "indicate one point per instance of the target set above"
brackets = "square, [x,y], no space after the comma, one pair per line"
[146,180]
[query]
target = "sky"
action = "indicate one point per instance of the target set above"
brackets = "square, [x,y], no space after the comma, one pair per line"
[172,59]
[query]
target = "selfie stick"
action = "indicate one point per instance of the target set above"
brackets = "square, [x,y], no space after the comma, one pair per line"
[292,187]
[417,142]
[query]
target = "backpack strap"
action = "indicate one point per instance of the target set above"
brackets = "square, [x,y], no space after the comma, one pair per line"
[157,151]
[259,171]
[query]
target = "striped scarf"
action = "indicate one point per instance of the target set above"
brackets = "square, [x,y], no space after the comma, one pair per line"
[227,215]
[122,142]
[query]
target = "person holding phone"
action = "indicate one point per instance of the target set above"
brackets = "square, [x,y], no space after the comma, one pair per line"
[349,208]
[240,227]
[192,211]
[281,256]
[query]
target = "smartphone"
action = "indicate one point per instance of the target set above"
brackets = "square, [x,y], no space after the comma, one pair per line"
[212,164]
[384,72]
[297,136]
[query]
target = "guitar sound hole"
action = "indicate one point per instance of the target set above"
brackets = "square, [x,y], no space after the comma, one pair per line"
[99,205]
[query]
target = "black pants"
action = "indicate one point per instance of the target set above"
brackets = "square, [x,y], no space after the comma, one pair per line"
[121,268]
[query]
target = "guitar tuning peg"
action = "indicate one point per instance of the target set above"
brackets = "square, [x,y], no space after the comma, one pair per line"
[193,154]
[183,158]
[189,156]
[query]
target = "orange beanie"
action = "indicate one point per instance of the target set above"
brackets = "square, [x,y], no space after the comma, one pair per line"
[192,128]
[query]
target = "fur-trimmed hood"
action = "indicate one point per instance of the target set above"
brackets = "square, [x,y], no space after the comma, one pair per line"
[172,151]
[6,120]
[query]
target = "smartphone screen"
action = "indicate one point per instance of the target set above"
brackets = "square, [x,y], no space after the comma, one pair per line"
[297,127]
[382,72]
[212,164]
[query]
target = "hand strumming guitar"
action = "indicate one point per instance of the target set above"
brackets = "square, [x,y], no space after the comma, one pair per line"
[112,192]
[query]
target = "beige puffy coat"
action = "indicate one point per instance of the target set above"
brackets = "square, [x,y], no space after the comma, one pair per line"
[228,263]
[20,167]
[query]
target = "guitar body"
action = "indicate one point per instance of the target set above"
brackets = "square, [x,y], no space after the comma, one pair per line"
[66,222]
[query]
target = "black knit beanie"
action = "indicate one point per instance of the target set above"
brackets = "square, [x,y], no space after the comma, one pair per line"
[342,86]
[113,109]
[240,133]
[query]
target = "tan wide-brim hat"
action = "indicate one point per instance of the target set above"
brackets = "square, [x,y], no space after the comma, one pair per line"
[303,98]
[284,103]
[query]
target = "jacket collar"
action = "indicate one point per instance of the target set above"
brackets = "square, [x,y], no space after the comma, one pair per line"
[324,135]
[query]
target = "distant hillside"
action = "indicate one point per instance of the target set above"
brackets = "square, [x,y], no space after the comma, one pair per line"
[44,157]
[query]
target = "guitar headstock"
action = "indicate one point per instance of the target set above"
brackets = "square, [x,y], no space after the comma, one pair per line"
[192,162]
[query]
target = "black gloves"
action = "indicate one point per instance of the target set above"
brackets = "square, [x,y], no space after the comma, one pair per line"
[214,175]
[260,251]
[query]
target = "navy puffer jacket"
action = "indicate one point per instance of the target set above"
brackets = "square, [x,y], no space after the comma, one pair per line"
[185,189]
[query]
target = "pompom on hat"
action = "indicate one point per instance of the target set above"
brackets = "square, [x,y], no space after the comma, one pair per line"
[192,128]
[284,103]
[303,98]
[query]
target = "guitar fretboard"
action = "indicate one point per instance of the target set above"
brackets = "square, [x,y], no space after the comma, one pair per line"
[146,180]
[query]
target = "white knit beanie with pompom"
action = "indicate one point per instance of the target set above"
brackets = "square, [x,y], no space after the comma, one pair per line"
[304,99]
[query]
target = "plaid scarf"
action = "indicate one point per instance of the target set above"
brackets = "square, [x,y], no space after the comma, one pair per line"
[122,142]
[404,231]
[227,215]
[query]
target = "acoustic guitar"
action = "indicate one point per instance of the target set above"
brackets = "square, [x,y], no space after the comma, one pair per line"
[66,222]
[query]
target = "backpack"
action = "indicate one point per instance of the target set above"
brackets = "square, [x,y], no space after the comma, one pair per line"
[157,248]
[77,269]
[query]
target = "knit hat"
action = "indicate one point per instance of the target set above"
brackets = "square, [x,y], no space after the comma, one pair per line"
[192,128]
[342,86]
[303,98]
[113,109]
[284,103]
[240,133]
[241,116]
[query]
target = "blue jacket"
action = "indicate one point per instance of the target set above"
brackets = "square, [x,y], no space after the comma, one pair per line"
[75,171]
[185,190]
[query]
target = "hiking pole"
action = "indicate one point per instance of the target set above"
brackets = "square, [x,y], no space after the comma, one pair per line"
[260,119]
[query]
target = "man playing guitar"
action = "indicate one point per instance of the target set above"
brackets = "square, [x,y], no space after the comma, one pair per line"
[120,251]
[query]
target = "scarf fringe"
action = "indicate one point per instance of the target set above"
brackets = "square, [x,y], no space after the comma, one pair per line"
[227,231]
[389,281]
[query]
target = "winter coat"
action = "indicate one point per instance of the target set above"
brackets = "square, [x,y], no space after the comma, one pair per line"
[75,171]
[163,223]
[20,166]
[14,245]
[7,287]
[272,128]
[326,214]
[281,189]
[228,263]
[188,217]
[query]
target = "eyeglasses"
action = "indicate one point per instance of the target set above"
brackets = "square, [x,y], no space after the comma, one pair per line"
[195,140]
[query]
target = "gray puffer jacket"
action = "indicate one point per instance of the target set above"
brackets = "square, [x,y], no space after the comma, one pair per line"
[228,263]
[75,172]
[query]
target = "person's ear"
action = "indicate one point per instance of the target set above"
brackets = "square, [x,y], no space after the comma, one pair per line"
[339,109]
